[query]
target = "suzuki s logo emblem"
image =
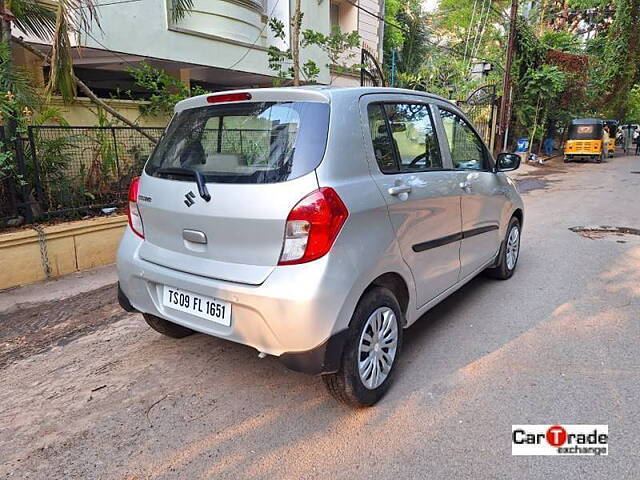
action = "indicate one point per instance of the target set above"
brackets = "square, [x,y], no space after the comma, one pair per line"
[189,199]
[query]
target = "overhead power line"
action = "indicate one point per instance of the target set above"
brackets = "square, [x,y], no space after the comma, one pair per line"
[473,14]
[117,2]
[244,55]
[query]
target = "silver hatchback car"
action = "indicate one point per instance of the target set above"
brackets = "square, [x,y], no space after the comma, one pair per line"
[314,224]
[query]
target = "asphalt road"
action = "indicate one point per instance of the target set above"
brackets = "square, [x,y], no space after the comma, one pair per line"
[558,343]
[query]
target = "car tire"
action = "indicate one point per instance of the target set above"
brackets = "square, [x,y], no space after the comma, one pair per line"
[566,160]
[377,317]
[509,253]
[167,328]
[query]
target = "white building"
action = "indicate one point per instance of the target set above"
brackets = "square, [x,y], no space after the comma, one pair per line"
[220,44]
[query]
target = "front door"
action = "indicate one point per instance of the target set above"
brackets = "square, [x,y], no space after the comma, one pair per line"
[420,190]
[482,196]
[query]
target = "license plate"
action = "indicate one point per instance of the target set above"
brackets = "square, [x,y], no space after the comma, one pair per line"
[204,307]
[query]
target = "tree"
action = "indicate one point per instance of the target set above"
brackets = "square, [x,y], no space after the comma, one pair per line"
[618,69]
[337,46]
[393,36]
[633,110]
[71,17]
[539,89]
[165,90]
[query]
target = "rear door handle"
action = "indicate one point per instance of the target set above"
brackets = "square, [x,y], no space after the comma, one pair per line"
[466,186]
[398,189]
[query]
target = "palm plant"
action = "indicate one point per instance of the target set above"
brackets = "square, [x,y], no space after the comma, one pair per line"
[180,8]
[70,18]
[36,18]
[57,25]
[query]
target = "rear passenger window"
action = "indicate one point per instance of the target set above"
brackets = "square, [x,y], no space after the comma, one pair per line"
[414,136]
[468,152]
[382,144]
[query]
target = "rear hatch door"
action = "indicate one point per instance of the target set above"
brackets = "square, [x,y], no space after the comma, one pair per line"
[257,159]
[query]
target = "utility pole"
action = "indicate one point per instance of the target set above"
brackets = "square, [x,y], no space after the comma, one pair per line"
[505,104]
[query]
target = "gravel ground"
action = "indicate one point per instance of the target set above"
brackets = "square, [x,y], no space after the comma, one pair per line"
[89,391]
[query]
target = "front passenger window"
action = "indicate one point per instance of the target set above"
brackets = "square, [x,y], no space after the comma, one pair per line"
[467,150]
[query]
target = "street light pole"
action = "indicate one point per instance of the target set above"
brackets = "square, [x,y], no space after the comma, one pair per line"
[505,103]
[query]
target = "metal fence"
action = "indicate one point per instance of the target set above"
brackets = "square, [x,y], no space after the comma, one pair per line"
[73,171]
[370,72]
[481,108]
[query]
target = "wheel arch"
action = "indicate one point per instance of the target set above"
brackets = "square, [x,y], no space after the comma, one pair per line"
[398,286]
[519,214]
[326,357]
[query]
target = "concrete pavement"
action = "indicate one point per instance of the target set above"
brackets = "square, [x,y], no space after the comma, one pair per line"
[558,343]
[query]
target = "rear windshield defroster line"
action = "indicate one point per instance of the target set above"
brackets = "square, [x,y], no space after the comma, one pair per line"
[253,142]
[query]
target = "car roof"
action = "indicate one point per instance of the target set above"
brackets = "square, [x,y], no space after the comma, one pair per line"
[358,91]
[587,121]
[307,92]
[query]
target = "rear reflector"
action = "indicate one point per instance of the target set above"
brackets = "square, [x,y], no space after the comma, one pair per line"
[229,97]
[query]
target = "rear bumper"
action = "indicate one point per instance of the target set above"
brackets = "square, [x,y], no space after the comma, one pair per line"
[324,358]
[124,301]
[582,155]
[297,314]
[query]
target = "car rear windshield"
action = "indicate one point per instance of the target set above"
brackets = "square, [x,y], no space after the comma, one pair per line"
[257,142]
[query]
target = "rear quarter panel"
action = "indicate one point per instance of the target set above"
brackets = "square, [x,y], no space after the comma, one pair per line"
[367,241]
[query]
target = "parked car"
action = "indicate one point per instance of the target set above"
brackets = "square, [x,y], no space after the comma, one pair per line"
[314,224]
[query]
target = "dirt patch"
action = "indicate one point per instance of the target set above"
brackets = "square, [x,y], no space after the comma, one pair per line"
[546,170]
[605,231]
[37,328]
[528,184]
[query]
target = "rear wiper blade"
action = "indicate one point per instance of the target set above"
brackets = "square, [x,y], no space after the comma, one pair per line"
[190,172]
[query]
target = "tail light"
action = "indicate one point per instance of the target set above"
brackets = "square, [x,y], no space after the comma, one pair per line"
[135,220]
[312,227]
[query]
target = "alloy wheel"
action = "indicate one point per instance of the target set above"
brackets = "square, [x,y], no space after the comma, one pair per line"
[513,247]
[377,347]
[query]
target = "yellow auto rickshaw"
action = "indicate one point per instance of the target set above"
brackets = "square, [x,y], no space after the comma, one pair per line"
[584,140]
[613,130]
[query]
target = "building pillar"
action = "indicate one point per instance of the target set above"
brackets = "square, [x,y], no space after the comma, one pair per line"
[182,74]
[31,63]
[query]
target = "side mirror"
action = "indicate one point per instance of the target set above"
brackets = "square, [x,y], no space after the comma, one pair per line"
[507,162]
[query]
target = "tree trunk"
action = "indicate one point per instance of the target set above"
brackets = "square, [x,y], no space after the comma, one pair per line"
[541,22]
[88,92]
[92,96]
[296,22]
